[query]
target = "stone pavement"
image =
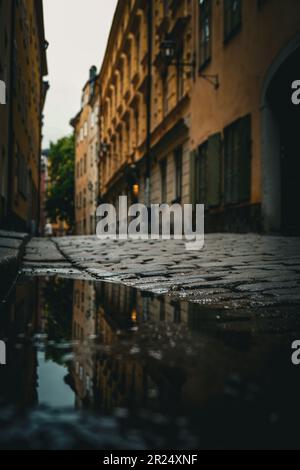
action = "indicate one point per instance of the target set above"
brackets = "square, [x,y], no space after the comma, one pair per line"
[232,271]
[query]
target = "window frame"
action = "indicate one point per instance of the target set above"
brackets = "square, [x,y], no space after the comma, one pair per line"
[163,180]
[201,173]
[237,162]
[205,13]
[178,160]
[231,25]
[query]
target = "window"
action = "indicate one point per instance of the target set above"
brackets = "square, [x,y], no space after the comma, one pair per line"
[180,73]
[129,68]
[85,164]
[85,129]
[177,313]
[96,115]
[205,15]
[138,51]
[200,174]
[165,94]
[121,84]
[232,17]
[163,179]
[178,173]
[92,119]
[165,7]
[213,170]
[162,310]
[22,176]
[128,137]
[237,161]
[136,116]
[92,155]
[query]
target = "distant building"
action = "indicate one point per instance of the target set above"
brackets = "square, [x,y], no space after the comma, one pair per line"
[86,129]
[22,66]
[44,182]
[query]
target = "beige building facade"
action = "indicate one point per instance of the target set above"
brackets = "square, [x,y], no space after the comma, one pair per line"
[86,128]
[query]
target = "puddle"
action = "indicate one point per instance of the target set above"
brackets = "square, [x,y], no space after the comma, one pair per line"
[99,365]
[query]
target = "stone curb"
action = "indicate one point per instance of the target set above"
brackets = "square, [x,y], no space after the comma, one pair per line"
[12,246]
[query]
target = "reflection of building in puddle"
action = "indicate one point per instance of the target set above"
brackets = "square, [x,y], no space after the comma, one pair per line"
[83,330]
[120,381]
[18,319]
[113,376]
[154,353]
[123,378]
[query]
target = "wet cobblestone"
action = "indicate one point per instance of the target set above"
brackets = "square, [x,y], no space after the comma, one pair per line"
[232,270]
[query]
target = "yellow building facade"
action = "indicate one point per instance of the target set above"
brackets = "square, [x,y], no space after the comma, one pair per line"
[145,105]
[214,124]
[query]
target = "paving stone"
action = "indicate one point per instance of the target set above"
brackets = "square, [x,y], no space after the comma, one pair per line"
[231,271]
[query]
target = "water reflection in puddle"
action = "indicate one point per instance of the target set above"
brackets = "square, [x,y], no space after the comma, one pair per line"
[174,375]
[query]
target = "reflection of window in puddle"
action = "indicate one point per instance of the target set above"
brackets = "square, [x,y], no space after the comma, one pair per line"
[162,310]
[2,92]
[177,314]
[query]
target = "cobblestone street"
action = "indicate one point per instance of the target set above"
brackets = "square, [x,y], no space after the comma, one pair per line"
[232,271]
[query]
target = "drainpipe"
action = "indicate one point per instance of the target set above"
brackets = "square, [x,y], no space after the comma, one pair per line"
[148,103]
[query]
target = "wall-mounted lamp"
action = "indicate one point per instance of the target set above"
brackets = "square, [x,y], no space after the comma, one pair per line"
[135,190]
[168,53]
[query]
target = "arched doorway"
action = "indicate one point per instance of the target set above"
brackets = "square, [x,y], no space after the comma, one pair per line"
[281,145]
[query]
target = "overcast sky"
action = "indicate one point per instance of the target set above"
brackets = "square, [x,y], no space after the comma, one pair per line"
[77,31]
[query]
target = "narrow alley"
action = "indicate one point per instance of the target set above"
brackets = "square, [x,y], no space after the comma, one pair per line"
[130,132]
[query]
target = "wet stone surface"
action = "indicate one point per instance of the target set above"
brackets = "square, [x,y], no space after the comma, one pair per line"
[95,365]
[232,270]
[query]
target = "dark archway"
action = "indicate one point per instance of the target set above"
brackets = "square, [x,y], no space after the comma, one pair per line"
[281,148]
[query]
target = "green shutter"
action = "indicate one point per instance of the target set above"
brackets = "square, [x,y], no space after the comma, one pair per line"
[244,163]
[227,167]
[193,155]
[214,170]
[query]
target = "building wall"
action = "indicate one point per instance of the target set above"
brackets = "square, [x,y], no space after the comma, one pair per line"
[86,159]
[123,78]
[5,52]
[24,108]
[215,113]
[241,63]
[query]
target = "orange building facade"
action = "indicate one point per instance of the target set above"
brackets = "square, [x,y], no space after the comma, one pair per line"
[243,133]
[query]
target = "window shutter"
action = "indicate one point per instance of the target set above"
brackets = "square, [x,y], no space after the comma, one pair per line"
[227,167]
[244,163]
[193,156]
[214,170]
